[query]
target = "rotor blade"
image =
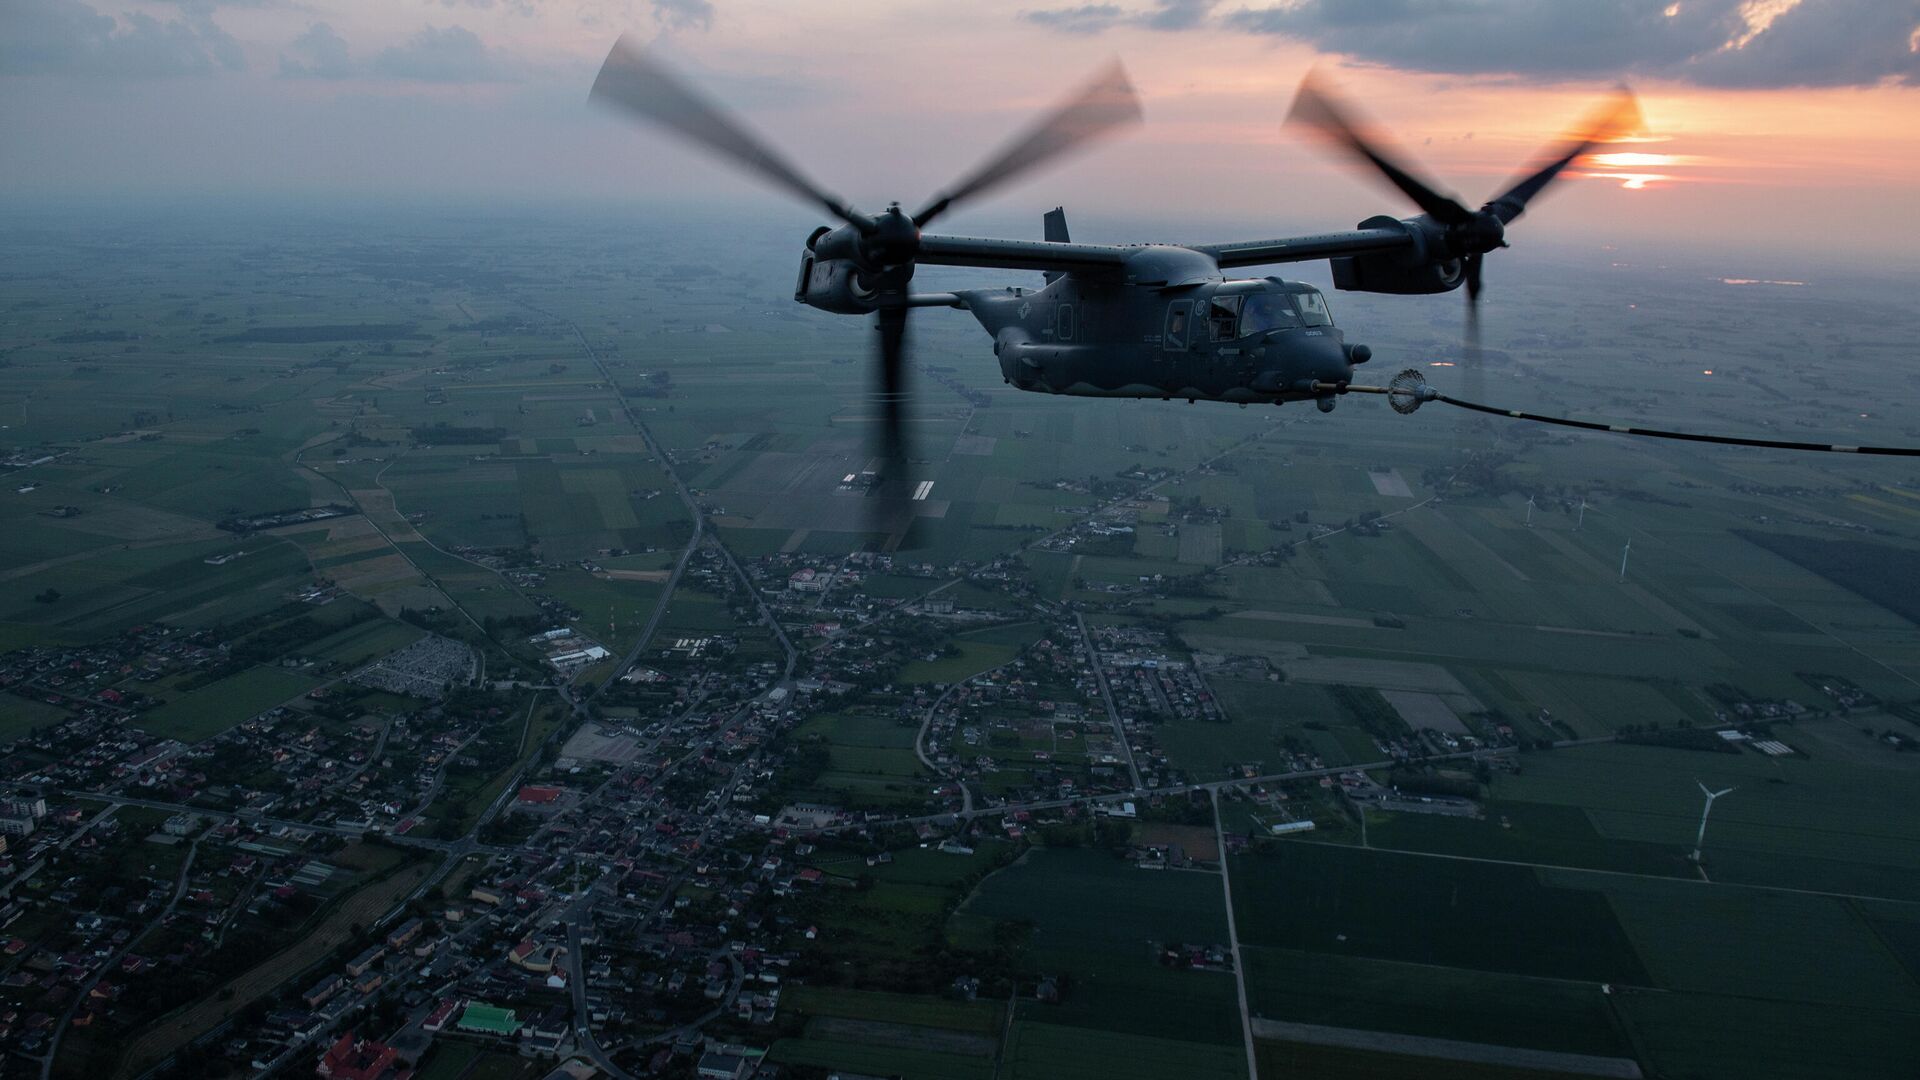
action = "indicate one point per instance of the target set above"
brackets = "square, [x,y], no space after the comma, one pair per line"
[1317,107]
[1617,116]
[1104,103]
[1473,368]
[635,82]
[893,377]
[889,505]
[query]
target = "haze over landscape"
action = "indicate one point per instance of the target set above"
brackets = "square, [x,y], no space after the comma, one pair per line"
[1787,127]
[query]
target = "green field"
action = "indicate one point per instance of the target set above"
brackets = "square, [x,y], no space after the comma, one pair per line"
[1443,912]
[1095,918]
[980,1017]
[1038,1050]
[1262,720]
[870,761]
[1432,1001]
[214,708]
[978,651]
[1820,823]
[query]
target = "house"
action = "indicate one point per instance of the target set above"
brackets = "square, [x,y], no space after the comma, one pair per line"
[530,956]
[365,1059]
[358,965]
[714,1066]
[404,933]
[438,1018]
[321,991]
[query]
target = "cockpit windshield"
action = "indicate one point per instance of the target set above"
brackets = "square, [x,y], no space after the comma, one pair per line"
[1313,307]
[1247,314]
[1267,311]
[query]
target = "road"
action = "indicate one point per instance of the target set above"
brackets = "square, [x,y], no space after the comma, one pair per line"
[700,524]
[1001,809]
[85,988]
[577,912]
[1233,938]
[1106,695]
[926,724]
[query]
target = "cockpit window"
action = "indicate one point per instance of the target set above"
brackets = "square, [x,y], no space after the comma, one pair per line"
[1223,313]
[1267,311]
[1313,308]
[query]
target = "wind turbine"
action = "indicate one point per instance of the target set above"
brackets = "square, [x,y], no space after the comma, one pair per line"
[1581,520]
[1708,809]
[1529,511]
[1624,552]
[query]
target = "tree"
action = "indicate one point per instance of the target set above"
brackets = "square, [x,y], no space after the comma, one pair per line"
[47,596]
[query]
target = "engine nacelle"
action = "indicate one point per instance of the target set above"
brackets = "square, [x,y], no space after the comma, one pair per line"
[1421,269]
[834,285]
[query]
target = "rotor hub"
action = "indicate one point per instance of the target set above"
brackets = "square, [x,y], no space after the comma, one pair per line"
[1483,233]
[894,238]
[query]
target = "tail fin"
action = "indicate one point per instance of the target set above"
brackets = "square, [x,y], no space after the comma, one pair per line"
[1055,225]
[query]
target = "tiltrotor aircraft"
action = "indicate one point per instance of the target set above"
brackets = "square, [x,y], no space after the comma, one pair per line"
[1138,320]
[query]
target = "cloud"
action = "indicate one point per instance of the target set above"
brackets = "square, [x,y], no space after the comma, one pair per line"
[684,14]
[1179,14]
[67,37]
[318,54]
[450,55]
[1724,43]
[1096,18]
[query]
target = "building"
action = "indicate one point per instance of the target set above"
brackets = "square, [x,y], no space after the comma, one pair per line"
[438,1018]
[530,956]
[480,1018]
[807,580]
[320,992]
[358,965]
[24,806]
[404,933]
[365,1059]
[181,825]
[716,1066]
[16,826]
[588,655]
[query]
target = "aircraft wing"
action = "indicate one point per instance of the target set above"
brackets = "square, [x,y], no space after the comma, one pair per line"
[1021,254]
[1308,248]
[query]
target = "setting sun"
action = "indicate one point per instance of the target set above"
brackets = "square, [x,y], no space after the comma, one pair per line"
[1633,160]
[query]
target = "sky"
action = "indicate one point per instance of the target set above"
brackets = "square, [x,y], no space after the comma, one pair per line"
[1771,125]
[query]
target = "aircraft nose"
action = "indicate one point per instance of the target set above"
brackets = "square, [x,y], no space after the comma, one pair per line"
[1328,361]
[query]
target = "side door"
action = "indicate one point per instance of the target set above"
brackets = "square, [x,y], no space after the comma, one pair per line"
[1179,326]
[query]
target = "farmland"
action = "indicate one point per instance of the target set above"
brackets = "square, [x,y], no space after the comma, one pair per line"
[1336,583]
[1096,918]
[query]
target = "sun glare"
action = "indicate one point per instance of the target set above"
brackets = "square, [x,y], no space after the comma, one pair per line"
[1632,160]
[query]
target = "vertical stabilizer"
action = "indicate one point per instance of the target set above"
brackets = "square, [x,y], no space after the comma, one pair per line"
[1055,225]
